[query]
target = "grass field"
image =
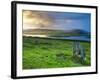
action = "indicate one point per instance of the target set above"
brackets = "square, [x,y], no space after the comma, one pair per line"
[51,53]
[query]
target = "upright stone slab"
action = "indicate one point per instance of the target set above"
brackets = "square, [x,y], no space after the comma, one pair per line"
[78,50]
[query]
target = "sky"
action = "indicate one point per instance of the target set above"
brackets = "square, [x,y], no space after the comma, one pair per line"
[55,20]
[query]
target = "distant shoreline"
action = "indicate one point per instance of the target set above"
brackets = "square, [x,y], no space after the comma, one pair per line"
[60,38]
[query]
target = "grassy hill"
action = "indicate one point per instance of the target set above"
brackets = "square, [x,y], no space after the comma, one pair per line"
[52,53]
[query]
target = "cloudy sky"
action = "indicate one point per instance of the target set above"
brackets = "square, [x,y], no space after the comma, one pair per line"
[55,20]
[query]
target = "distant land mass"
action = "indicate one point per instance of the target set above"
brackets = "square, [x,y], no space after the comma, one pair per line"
[57,33]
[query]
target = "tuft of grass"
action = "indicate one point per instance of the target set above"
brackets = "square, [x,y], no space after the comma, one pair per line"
[51,53]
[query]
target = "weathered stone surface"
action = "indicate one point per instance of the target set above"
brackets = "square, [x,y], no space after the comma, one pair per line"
[78,50]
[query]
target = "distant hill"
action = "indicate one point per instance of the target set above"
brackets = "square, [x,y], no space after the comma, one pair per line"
[80,32]
[49,32]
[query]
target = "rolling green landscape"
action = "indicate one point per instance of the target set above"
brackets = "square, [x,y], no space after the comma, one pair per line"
[52,53]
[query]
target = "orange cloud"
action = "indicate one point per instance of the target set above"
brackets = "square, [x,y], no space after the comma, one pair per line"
[38,18]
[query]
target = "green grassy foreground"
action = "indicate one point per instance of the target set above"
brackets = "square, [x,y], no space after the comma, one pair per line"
[51,53]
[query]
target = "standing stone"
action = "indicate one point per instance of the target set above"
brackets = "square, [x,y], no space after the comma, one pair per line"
[82,53]
[78,50]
